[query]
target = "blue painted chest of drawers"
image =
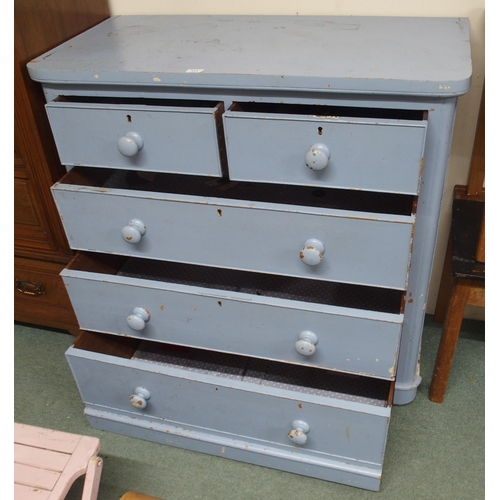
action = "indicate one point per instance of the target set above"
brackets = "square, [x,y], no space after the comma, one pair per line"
[254,202]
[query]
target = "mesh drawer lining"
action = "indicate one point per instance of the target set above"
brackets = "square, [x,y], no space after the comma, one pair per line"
[320,197]
[297,378]
[283,287]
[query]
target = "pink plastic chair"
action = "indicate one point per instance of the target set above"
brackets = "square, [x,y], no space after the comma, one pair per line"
[47,462]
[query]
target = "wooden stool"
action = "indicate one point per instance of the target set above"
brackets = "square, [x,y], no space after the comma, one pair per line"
[47,462]
[463,278]
[466,285]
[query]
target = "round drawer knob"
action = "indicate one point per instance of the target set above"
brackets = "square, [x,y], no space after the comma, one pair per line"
[139,398]
[130,144]
[299,431]
[317,157]
[138,319]
[306,345]
[133,231]
[312,252]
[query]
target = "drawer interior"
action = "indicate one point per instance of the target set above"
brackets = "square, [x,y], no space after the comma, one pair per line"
[305,380]
[330,198]
[329,111]
[139,101]
[259,284]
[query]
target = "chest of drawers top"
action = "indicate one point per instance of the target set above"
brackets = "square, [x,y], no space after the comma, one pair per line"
[386,55]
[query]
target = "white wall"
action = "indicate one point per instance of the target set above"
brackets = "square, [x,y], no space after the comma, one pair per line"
[468,105]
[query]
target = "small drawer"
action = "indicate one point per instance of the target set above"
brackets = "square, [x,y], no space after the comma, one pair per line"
[349,148]
[158,135]
[328,423]
[310,242]
[276,318]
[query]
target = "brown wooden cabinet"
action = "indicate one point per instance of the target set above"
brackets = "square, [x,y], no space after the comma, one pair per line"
[40,247]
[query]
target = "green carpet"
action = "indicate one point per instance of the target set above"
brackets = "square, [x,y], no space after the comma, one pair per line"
[433,451]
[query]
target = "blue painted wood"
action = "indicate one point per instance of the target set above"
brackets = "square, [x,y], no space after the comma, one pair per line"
[437,153]
[341,54]
[396,63]
[349,340]
[88,134]
[194,399]
[364,154]
[324,467]
[247,236]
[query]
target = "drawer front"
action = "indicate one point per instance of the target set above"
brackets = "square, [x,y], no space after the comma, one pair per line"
[40,296]
[324,336]
[382,155]
[234,407]
[241,235]
[151,138]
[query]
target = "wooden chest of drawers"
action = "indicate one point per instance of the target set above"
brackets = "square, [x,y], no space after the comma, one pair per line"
[41,250]
[255,204]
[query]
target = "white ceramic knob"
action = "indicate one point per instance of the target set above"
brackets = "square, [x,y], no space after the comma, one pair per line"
[298,432]
[306,345]
[138,319]
[139,398]
[133,231]
[312,252]
[317,157]
[130,144]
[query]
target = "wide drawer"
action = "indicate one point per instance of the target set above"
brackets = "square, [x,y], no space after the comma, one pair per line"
[238,403]
[350,148]
[338,245]
[262,316]
[143,134]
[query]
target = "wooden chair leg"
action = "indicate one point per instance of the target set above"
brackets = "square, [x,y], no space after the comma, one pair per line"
[460,291]
[444,293]
[92,479]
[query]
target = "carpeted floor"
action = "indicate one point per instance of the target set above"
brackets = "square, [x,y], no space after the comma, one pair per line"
[433,451]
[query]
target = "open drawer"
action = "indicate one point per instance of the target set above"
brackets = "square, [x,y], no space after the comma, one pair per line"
[302,420]
[185,220]
[328,146]
[328,325]
[159,135]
